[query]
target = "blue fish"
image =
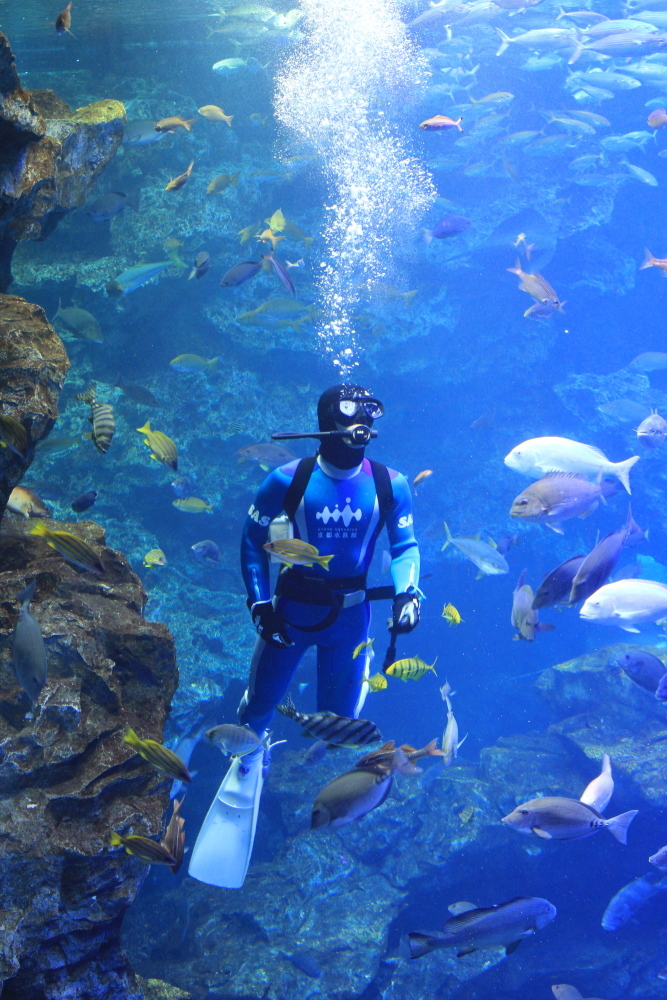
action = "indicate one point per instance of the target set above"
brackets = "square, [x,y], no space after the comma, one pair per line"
[135,277]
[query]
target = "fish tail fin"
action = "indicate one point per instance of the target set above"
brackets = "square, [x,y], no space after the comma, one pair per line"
[308,240]
[408,297]
[234,179]
[40,529]
[427,235]
[618,825]
[458,124]
[229,119]
[289,708]
[420,944]
[649,261]
[622,470]
[606,764]
[517,269]
[448,536]
[432,666]
[27,594]
[561,13]
[88,396]
[575,55]
[132,738]
[146,429]
[57,313]
[325,560]
[504,41]
[188,125]
[212,365]
[115,839]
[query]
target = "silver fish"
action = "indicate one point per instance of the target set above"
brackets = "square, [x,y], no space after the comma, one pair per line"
[28,651]
[506,924]
[558,818]
[524,616]
[350,797]
[653,430]
[236,741]
[628,900]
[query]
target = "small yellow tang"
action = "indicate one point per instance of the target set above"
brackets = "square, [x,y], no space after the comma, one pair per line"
[155,557]
[296,552]
[368,644]
[451,615]
[277,222]
[410,669]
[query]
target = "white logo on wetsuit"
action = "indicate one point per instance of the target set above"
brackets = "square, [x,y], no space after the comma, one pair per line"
[405,522]
[257,517]
[347,515]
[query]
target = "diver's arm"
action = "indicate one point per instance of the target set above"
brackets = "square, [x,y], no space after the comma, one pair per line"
[404,558]
[402,542]
[254,559]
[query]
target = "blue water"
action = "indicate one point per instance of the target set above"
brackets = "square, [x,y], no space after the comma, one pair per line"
[345,89]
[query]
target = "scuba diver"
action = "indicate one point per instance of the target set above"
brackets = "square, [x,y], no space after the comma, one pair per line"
[338,501]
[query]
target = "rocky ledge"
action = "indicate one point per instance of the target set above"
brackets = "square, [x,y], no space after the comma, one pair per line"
[50,157]
[67,778]
[33,366]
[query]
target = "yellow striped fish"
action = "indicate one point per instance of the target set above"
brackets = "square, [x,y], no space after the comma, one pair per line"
[410,669]
[162,447]
[378,682]
[451,615]
[102,419]
[296,552]
[144,848]
[337,730]
[14,436]
[160,757]
[71,547]
[368,644]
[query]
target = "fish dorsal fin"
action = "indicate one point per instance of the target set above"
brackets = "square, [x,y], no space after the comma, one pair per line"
[386,747]
[406,748]
[463,907]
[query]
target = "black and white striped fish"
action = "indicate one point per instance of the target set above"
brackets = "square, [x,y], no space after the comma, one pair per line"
[102,419]
[336,730]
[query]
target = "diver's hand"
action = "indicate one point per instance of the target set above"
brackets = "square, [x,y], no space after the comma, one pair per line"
[270,626]
[405,613]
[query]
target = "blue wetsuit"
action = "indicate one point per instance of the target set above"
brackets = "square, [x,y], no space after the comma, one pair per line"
[340,516]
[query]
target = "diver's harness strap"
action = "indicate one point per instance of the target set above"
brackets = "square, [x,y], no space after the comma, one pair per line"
[335,592]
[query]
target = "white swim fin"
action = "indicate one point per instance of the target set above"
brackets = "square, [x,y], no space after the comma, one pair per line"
[222,851]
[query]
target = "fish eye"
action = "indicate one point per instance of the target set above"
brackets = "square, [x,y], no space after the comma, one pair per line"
[524,812]
[523,502]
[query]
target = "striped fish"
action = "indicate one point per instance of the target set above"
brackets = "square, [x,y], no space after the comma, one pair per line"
[71,547]
[14,436]
[144,848]
[102,419]
[337,730]
[162,447]
[160,757]
[410,669]
[397,760]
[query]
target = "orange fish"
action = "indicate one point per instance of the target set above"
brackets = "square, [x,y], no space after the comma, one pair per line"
[268,236]
[440,122]
[651,261]
[215,114]
[178,182]
[64,20]
[420,477]
[171,124]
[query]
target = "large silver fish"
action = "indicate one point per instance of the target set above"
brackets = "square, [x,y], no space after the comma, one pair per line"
[505,924]
[486,558]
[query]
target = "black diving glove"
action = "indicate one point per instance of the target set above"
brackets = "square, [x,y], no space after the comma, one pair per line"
[270,626]
[405,613]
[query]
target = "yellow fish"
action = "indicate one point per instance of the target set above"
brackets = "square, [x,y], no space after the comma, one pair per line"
[368,644]
[277,221]
[466,814]
[451,615]
[193,505]
[155,557]
[162,447]
[71,547]
[160,757]
[296,552]
[221,183]
[378,682]
[249,231]
[215,114]
[410,669]
[268,236]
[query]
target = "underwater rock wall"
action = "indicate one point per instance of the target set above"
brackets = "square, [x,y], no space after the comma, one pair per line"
[50,157]
[33,365]
[67,778]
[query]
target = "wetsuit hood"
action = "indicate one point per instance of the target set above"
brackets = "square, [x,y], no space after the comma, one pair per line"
[345,405]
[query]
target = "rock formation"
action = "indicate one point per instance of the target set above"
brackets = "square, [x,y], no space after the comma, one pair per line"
[33,365]
[67,778]
[50,157]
